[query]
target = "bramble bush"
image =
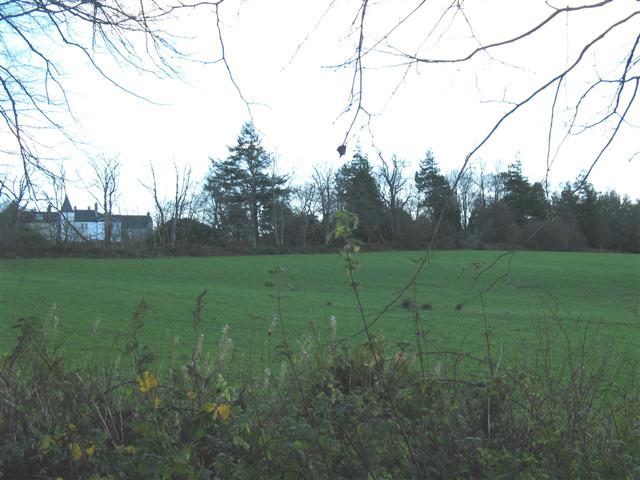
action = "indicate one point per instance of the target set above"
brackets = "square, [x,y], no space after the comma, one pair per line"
[319,408]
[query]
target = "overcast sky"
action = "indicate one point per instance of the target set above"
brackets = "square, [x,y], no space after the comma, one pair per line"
[299,98]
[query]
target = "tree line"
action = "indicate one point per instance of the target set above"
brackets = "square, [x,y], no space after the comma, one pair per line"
[244,204]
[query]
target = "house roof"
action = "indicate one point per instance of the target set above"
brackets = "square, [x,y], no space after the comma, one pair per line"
[66,205]
[86,216]
[31,216]
[134,221]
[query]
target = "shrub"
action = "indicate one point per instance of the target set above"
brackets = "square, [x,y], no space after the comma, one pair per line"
[321,407]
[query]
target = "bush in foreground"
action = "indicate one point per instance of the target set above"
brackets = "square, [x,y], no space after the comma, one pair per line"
[321,409]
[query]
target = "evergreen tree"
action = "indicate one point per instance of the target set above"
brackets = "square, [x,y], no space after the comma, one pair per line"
[357,191]
[516,191]
[628,236]
[245,189]
[437,195]
[228,213]
[565,204]
[537,205]
[527,201]
[588,215]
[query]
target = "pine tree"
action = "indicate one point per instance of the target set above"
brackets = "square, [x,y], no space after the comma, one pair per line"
[246,188]
[437,195]
[357,191]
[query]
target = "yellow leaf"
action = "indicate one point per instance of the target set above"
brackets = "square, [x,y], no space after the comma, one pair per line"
[45,443]
[90,451]
[191,395]
[156,403]
[76,452]
[223,411]
[147,382]
[208,407]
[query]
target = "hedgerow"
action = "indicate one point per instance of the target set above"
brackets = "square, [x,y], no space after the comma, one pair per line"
[320,409]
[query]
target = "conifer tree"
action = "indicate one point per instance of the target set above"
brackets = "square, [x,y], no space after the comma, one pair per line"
[245,186]
[437,195]
[357,191]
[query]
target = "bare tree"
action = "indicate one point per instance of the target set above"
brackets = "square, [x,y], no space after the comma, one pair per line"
[324,181]
[12,195]
[466,193]
[160,205]
[58,183]
[481,185]
[392,183]
[14,189]
[306,200]
[413,201]
[180,204]
[169,212]
[3,189]
[106,172]
[197,203]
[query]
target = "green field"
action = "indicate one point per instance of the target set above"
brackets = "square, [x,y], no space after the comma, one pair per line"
[94,299]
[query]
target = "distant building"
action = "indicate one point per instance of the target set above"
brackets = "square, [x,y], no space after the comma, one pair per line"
[73,225]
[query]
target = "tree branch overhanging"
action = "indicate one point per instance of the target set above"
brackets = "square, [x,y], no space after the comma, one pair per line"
[37,35]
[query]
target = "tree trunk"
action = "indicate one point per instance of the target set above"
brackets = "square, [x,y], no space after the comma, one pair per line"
[254,225]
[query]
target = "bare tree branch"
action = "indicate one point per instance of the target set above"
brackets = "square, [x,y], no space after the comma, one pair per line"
[511,40]
[623,99]
[36,35]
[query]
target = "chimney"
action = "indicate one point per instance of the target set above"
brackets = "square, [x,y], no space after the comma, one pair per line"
[95,205]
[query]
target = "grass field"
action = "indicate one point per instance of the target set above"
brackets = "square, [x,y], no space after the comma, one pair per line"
[94,299]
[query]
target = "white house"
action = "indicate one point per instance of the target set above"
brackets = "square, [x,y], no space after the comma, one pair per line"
[73,225]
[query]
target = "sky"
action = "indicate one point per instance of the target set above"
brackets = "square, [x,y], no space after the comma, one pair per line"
[282,55]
